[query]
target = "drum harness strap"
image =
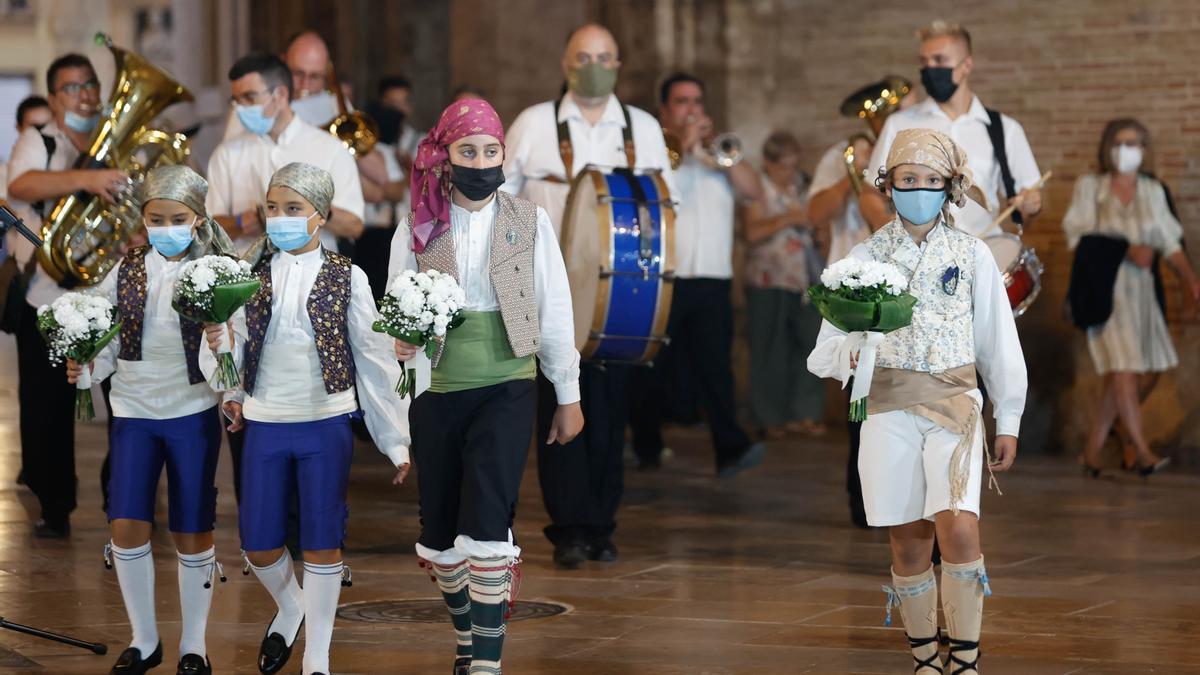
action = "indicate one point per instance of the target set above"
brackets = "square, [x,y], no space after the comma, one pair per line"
[645,234]
[996,134]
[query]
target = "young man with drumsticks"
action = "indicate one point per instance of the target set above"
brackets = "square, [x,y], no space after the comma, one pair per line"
[1000,156]
[582,483]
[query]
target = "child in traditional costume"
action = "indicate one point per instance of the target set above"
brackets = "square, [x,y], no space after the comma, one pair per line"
[310,360]
[471,429]
[164,413]
[923,442]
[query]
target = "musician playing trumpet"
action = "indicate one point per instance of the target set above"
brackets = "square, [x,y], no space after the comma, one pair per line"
[711,181]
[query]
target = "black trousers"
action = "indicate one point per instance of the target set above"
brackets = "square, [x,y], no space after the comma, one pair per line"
[470,449]
[701,330]
[582,481]
[47,421]
[371,253]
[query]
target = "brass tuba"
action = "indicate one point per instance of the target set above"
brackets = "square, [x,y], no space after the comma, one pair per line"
[354,128]
[83,236]
[872,104]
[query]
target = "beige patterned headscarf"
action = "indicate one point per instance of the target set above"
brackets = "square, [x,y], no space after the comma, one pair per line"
[315,185]
[181,184]
[312,183]
[939,152]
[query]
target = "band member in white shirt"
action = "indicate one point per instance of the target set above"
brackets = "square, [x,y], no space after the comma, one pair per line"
[985,135]
[582,483]
[701,320]
[40,171]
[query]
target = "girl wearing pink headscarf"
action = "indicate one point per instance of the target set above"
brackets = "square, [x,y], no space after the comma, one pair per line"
[471,426]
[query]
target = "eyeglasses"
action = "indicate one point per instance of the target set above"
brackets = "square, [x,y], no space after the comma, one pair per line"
[73,88]
[248,97]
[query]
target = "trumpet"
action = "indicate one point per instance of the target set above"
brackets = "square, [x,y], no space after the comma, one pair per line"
[354,128]
[726,149]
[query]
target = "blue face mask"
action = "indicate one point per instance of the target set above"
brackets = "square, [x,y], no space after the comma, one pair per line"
[918,206]
[79,123]
[289,233]
[252,117]
[170,240]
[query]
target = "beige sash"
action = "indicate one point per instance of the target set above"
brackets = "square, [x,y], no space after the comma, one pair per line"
[941,398]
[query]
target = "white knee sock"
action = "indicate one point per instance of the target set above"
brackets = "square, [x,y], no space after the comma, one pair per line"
[135,574]
[196,570]
[280,581]
[322,586]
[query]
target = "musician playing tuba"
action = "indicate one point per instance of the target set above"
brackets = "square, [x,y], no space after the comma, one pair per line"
[40,172]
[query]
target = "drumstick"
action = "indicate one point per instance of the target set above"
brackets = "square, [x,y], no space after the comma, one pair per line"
[1016,202]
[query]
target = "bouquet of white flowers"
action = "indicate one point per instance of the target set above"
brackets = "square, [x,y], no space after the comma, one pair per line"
[78,326]
[210,290]
[418,309]
[867,299]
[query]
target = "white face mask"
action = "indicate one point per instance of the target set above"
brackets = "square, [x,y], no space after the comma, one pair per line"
[1127,158]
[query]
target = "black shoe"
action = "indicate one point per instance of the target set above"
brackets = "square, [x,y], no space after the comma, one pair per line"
[193,664]
[570,556]
[1147,471]
[274,652]
[602,551]
[750,458]
[44,530]
[131,662]
[462,665]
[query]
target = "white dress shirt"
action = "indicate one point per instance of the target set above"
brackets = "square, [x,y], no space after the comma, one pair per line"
[998,355]
[472,232]
[156,387]
[290,387]
[704,221]
[387,214]
[241,168]
[970,131]
[848,227]
[29,154]
[532,153]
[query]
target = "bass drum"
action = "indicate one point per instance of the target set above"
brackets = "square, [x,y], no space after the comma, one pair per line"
[1020,268]
[618,241]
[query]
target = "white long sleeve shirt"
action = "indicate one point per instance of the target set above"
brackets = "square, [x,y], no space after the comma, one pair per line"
[532,153]
[472,232]
[156,387]
[998,354]
[289,385]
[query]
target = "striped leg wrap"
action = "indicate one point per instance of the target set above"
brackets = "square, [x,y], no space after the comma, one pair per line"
[453,580]
[491,581]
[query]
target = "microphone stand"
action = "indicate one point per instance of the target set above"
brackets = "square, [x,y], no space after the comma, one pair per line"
[8,221]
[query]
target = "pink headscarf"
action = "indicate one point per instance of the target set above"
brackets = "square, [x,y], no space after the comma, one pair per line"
[431,168]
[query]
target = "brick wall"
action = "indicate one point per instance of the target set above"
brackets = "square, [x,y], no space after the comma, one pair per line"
[1061,68]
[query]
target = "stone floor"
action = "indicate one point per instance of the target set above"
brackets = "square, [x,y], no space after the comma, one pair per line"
[762,573]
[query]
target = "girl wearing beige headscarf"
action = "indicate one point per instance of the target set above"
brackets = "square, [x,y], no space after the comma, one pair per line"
[923,449]
[164,412]
[311,361]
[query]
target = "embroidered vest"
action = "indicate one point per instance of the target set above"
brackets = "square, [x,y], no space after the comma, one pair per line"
[131,306]
[942,333]
[328,303]
[511,268]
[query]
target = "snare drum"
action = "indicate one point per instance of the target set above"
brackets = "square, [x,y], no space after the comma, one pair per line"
[618,242]
[1021,270]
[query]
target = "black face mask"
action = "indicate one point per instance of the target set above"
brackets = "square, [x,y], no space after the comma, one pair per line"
[476,184]
[390,121]
[939,83]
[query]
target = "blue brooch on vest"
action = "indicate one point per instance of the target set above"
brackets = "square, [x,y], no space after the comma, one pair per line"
[950,280]
[511,237]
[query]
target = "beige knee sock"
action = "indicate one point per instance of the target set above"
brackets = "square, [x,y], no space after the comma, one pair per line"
[917,597]
[963,589]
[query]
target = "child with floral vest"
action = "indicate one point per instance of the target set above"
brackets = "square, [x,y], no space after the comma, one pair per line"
[310,361]
[923,444]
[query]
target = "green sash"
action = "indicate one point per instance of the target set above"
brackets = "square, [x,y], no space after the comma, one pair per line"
[477,355]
